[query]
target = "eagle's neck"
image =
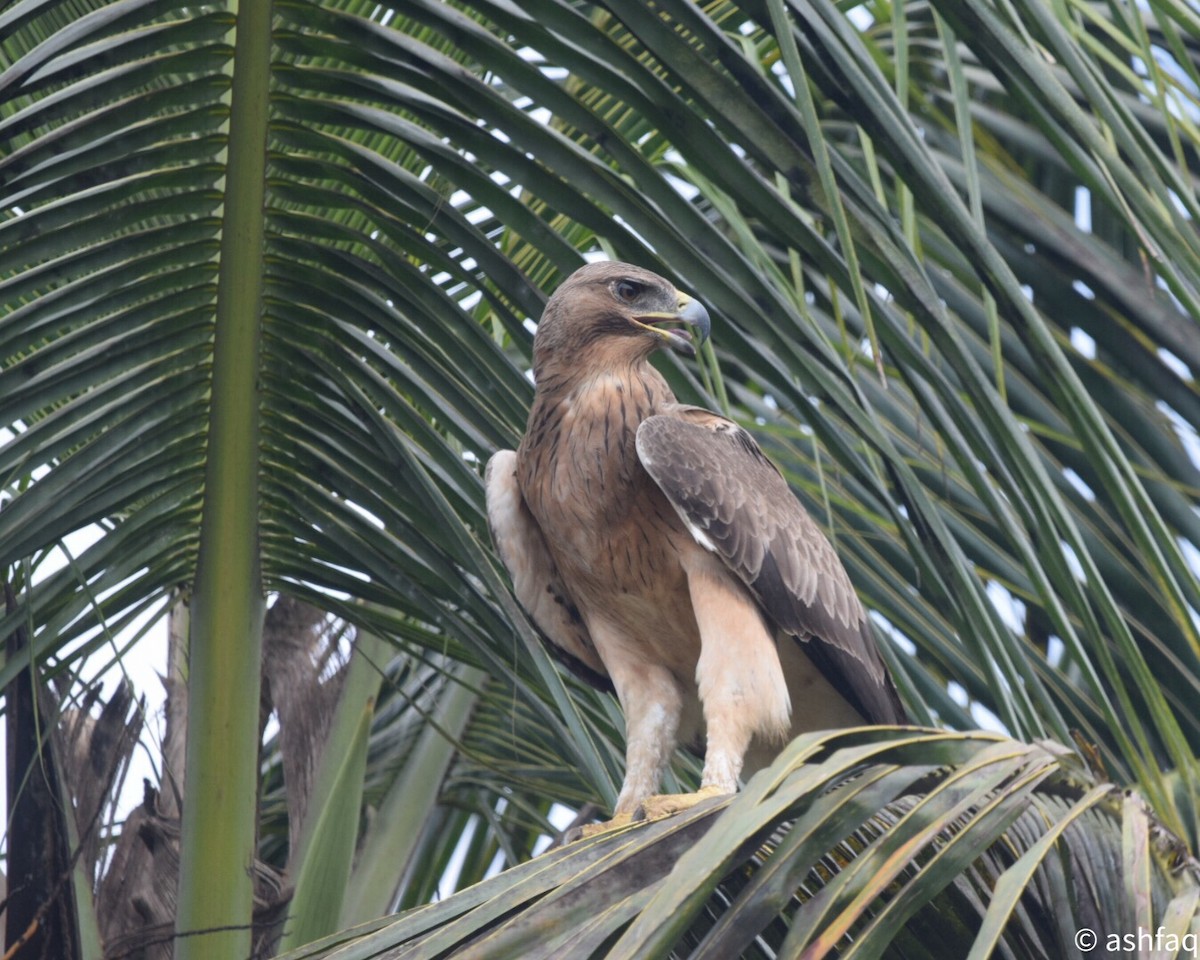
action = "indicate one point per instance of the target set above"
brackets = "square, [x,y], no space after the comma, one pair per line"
[582,432]
[619,397]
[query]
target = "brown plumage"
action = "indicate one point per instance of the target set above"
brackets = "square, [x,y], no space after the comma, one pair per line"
[659,550]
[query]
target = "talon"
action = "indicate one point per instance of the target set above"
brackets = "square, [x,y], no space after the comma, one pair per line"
[669,804]
[595,829]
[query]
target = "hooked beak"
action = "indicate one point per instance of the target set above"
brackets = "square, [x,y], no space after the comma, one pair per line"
[689,312]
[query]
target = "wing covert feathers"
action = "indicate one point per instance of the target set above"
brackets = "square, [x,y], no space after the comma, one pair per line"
[737,504]
[536,581]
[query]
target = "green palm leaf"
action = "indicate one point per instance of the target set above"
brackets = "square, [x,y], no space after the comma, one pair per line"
[265,275]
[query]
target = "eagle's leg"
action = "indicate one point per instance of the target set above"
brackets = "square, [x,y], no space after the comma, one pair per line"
[739,678]
[652,701]
[727,742]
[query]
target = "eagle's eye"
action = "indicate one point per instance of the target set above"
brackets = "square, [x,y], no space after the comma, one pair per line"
[627,290]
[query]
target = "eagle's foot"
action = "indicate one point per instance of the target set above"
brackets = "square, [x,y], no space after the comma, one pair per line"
[652,808]
[595,829]
[669,804]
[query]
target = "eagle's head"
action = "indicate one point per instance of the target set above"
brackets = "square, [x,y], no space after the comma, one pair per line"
[619,313]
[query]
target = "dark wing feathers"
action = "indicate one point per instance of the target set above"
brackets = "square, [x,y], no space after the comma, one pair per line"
[737,504]
[875,698]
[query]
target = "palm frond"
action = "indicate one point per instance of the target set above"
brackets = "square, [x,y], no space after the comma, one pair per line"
[948,247]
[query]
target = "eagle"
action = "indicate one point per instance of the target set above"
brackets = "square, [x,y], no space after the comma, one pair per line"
[663,556]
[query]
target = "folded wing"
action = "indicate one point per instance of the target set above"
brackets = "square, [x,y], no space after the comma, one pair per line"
[736,504]
[536,581]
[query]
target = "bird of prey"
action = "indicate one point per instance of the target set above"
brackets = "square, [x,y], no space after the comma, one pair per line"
[660,552]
